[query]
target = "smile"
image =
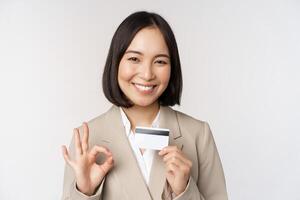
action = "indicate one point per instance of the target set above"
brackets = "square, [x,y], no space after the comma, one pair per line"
[146,88]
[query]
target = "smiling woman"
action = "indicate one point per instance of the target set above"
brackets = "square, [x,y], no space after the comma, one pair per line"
[142,78]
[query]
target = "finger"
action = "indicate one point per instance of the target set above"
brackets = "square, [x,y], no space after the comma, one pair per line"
[174,159]
[99,149]
[107,165]
[168,149]
[78,147]
[85,138]
[66,156]
[172,150]
[172,168]
[175,150]
[182,168]
[177,155]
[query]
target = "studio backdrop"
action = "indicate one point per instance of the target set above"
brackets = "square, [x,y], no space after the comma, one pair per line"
[240,63]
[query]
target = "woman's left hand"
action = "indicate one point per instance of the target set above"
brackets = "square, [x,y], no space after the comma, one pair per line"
[178,168]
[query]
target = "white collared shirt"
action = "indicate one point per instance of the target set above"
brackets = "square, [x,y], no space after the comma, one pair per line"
[145,160]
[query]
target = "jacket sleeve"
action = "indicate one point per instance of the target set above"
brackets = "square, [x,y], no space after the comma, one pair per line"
[70,191]
[211,181]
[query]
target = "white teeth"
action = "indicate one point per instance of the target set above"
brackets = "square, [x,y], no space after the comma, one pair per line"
[143,87]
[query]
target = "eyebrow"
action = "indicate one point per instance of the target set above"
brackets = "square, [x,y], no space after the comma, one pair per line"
[140,53]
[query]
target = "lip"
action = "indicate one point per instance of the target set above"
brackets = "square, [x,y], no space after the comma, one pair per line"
[146,84]
[144,92]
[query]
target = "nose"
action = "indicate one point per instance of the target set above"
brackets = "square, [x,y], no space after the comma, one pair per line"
[146,72]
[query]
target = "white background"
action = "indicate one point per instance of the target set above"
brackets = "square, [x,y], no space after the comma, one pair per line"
[240,62]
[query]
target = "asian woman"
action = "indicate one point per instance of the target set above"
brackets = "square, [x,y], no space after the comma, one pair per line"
[142,79]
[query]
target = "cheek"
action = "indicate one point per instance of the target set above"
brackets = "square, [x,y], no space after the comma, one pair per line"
[125,72]
[165,76]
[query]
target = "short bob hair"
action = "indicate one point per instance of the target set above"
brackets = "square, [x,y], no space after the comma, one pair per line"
[120,42]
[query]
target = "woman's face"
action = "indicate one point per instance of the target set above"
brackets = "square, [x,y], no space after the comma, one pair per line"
[145,68]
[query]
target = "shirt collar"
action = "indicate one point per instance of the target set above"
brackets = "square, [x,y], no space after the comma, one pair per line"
[127,125]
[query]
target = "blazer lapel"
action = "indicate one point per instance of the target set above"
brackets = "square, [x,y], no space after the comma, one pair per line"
[167,119]
[126,167]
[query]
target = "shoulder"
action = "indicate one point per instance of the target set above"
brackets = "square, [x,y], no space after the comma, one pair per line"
[188,120]
[101,120]
[112,113]
[99,125]
[191,125]
[98,119]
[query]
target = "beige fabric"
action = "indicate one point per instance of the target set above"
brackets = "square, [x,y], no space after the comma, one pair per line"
[125,181]
[167,193]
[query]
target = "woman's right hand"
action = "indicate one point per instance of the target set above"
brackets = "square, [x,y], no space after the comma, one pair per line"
[88,173]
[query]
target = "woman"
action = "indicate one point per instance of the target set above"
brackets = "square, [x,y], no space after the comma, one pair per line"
[142,78]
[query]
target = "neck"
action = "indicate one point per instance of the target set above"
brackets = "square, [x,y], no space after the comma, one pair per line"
[141,115]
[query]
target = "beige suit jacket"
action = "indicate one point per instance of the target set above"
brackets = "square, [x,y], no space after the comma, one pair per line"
[125,181]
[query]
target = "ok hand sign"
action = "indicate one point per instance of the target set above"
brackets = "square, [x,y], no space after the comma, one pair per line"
[88,173]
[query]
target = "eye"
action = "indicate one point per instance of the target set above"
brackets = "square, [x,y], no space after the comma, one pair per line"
[133,59]
[161,62]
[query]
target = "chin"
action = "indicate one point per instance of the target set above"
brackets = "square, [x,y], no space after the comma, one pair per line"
[144,103]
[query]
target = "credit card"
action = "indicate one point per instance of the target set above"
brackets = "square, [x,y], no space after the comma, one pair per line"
[151,138]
